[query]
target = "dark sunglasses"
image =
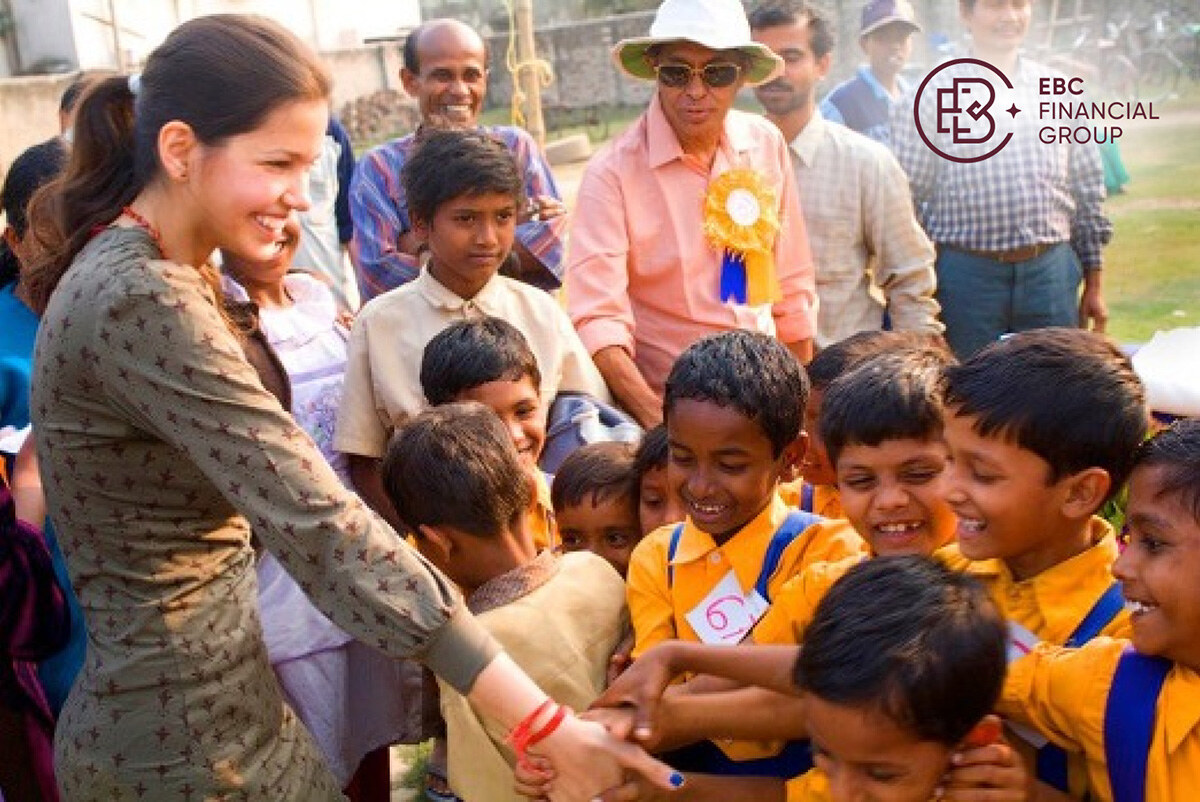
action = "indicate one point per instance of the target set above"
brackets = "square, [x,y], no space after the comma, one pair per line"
[715,76]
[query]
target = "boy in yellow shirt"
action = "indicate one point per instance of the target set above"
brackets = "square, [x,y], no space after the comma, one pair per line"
[1042,428]
[1135,713]
[733,407]
[882,429]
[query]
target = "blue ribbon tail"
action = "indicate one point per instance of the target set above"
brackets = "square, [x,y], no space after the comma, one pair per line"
[733,277]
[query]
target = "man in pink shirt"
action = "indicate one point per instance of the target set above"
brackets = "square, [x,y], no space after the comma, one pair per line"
[643,280]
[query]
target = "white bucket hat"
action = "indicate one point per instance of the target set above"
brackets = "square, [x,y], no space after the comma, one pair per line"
[715,24]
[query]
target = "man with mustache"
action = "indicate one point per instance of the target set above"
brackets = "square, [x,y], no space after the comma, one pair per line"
[446,70]
[644,281]
[874,263]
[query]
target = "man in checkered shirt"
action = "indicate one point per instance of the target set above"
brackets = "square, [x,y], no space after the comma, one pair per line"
[1017,231]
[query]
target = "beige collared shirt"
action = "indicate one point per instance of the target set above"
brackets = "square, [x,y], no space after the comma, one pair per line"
[868,247]
[383,372]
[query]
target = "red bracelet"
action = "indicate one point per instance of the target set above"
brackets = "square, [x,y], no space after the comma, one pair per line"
[519,737]
[551,725]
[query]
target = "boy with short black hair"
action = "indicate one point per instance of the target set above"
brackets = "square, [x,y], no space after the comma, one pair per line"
[458,484]
[1042,428]
[816,489]
[657,502]
[489,361]
[882,427]
[464,192]
[1135,713]
[733,406]
[595,497]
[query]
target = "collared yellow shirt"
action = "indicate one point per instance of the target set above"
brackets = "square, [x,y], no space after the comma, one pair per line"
[793,607]
[1052,604]
[827,501]
[659,607]
[1064,692]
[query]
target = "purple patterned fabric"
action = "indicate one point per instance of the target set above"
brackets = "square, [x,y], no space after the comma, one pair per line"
[34,624]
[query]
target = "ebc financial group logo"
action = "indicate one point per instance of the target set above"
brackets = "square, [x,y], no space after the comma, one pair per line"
[963,110]
[966,110]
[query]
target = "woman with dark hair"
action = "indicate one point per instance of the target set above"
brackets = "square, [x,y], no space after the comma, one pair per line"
[161,449]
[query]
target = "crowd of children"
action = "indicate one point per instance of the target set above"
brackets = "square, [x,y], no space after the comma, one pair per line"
[882,577]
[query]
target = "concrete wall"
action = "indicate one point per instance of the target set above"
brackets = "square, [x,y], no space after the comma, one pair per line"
[29,108]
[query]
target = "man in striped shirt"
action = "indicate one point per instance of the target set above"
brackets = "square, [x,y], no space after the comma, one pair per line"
[1017,231]
[445,69]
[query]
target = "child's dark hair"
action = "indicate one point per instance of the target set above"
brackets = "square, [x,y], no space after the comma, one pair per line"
[774,13]
[754,374]
[1176,450]
[448,163]
[221,74]
[907,636]
[1068,395]
[890,396]
[454,465]
[38,165]
[652,451]
[834,360]
[468,353]
[593,473]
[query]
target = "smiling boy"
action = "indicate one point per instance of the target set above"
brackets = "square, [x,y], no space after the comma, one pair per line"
[1082,699]
[463,191]
[733,408]
[1042,428]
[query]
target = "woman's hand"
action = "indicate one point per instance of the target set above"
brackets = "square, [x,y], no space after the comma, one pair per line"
[589,760]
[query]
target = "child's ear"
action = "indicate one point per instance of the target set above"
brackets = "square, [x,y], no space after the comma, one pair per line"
[420,229]
[436,541]
[792,456]
[1085,492]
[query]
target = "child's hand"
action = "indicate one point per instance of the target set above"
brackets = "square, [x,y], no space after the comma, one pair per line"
[985,769]
[640,687]
[534,778]
[543,207]
[621,659]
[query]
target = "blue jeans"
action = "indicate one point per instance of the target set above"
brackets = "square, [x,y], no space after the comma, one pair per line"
[983,299]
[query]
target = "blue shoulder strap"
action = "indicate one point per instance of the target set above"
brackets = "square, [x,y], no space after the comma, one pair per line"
[808,497]
[1129,722]
[671,549]
[791,528]
[1051,759]
[1101,615]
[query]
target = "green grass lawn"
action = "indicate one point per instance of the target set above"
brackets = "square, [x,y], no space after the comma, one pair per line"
[1152,266]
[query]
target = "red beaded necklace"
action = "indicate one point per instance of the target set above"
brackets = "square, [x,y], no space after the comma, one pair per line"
[144,224]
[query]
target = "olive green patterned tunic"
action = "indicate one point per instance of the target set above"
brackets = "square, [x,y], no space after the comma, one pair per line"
[159,449]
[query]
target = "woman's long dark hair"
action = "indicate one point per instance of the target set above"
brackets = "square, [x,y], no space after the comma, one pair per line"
[222,75]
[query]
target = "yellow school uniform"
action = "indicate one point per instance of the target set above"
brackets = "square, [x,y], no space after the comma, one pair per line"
[793,607]
[1052,604]
[1064,692]
[659,603]
[827,502]
[659,606]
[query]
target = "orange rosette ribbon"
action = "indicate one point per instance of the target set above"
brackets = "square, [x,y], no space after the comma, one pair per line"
[741,218]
